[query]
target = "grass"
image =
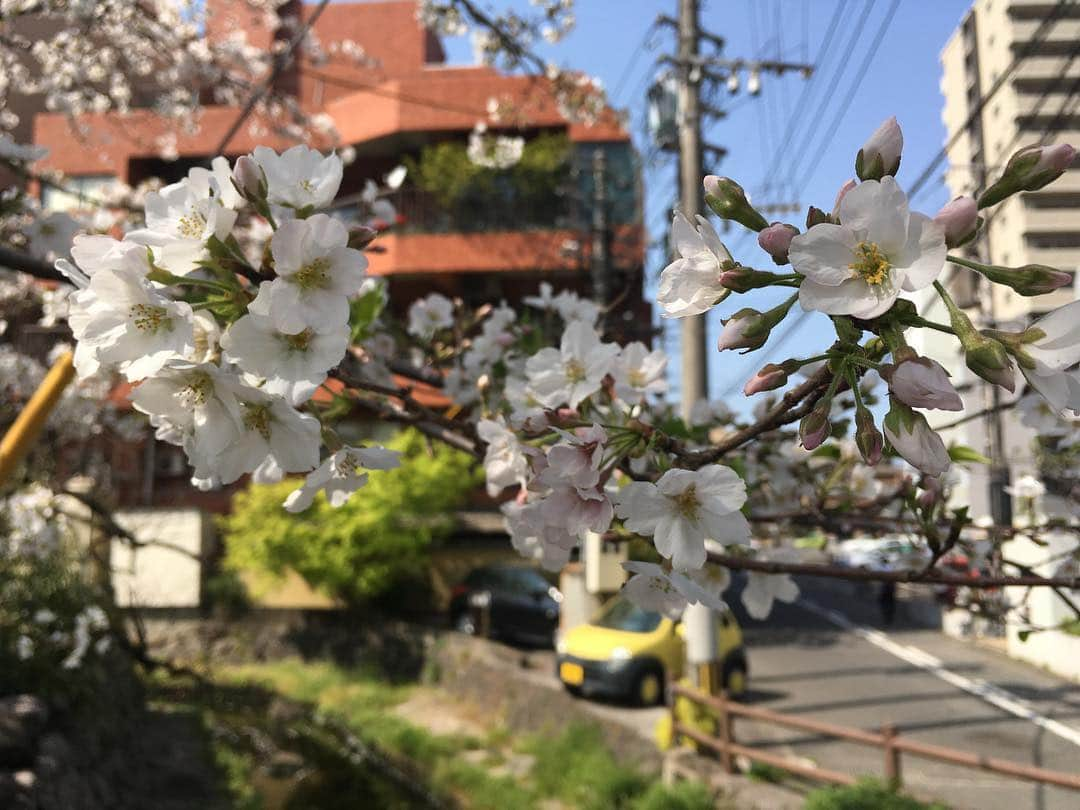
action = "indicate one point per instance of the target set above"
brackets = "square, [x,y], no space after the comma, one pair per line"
[867,793]
[574,767]
[763,772]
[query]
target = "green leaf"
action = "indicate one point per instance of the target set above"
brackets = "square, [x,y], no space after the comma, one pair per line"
[827,451]
[364,311]
[962,454]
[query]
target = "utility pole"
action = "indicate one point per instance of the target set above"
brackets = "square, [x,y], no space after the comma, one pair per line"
[695,379]
[599,255]
[690,69]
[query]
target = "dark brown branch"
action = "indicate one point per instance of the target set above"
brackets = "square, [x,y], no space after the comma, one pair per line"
[786,411]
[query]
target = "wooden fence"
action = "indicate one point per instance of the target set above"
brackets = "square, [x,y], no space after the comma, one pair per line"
[887,739]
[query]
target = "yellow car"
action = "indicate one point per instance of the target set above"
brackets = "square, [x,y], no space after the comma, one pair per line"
[627,652]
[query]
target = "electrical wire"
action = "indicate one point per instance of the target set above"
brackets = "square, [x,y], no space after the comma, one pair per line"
[1040,34]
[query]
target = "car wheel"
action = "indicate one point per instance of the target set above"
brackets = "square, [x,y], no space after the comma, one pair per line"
[465,623]
[735,675]
[648,689]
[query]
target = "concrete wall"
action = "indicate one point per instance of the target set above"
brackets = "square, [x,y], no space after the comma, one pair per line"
[1052,649]
[167,573]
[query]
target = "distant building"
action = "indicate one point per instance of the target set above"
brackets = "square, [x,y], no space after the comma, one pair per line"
[1039,103]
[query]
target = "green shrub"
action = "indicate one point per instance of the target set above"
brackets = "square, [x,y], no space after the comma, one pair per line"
[55,636]
[866,794]
[375,544]
[680,796]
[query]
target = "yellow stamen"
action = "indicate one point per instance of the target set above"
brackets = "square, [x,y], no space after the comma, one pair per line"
[687,503]
[314,275]
[871,263]
[150,319]
[575,371]
[298,342]
[257,417]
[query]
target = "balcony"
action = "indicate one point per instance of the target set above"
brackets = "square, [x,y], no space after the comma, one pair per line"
[420,212]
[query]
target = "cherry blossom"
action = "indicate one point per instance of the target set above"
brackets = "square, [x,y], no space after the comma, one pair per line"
[859,266]
[574,371]
[690,285]
[684,508]
[341,475]
[317,273]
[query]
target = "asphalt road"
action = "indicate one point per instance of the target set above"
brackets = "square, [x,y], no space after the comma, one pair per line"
[803,663]
[830,663]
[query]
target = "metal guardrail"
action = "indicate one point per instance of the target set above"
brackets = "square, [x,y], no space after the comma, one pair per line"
[887,739]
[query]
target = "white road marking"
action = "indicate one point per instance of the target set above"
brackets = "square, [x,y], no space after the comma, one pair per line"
[994,695]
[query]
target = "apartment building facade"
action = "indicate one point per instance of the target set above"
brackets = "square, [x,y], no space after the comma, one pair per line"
[1010,78]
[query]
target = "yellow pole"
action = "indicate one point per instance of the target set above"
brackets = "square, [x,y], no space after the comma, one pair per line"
[27,426]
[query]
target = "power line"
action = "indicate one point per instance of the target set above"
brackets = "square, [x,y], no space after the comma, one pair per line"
[1040,34]
[279,65]
[794,325]
[860,74]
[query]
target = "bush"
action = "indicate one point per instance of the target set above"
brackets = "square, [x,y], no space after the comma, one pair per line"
[376,543]
[680,796]
[54,634]
[868,793]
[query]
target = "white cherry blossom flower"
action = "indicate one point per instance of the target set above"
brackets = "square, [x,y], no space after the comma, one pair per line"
[651,588]
[572,307]
[270,426]
[293,365]
[1054,352]
[317,273]
[690,285]
[534,539]
[180,218]
[505,462]
[121,320]
[572,372]
[860,266]
[1027,486]
[577,511]
[639,372]
[684,508]
[763,589]
[300,177]
[341,475]
[576,460]
[428,315]
[51,235]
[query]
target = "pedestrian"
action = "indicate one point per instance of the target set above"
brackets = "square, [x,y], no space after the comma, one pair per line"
[887,601]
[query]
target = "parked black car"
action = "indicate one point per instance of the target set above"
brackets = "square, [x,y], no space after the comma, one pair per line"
[510,601]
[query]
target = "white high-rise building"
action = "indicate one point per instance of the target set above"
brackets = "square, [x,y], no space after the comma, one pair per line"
[1037,103]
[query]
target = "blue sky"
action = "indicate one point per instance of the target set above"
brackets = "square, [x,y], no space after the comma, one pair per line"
[901,78]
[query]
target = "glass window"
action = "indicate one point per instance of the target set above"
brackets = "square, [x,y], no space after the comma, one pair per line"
[623,614]
[79,192]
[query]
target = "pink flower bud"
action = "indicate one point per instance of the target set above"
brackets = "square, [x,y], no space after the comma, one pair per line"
[959,219]
[1055,158]
[867,437]
[814,427]
[743,330]
[769,378]
[880,155]
[924,383]
[776,240]
[249,178]
[844,189]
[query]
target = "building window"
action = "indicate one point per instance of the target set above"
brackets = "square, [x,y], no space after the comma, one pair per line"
[1063,239]
[79,192]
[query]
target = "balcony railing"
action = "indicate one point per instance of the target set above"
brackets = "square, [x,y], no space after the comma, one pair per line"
[420,212]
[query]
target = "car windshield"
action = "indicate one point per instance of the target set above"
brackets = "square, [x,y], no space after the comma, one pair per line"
[521,580]
[622,614]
